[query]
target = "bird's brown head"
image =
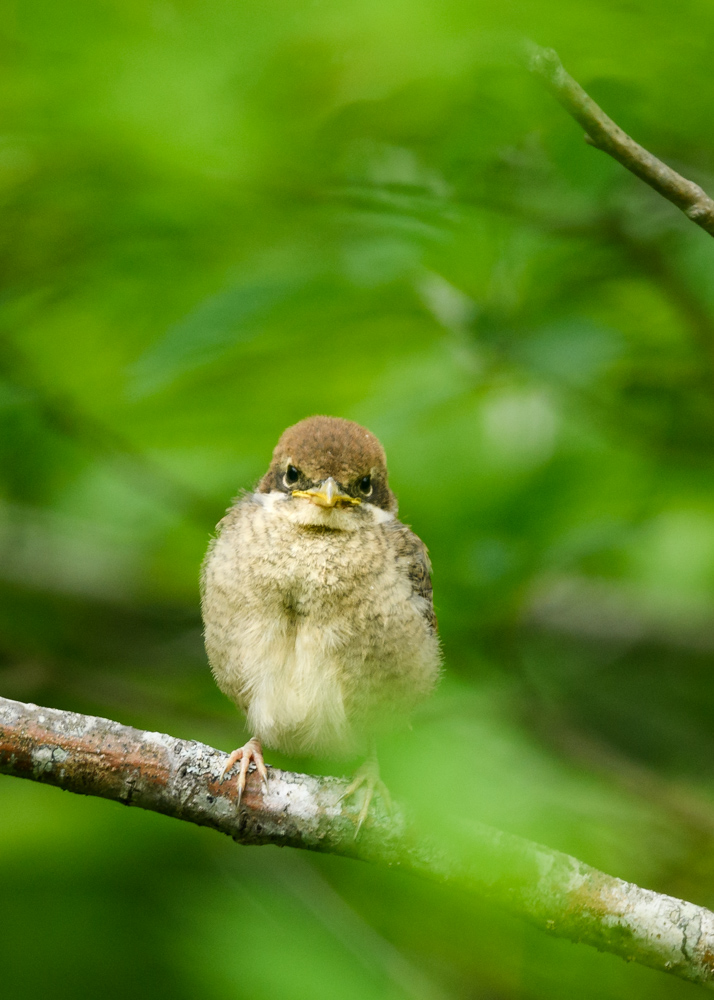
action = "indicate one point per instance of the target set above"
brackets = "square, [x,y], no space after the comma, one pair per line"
[332,462]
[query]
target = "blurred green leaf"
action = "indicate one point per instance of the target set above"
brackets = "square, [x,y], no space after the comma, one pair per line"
[230,318]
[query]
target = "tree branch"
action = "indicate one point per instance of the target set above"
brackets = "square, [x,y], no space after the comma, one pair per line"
[181,778]
[603,133]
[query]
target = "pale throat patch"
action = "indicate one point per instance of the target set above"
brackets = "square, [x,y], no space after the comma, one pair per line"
[300,510]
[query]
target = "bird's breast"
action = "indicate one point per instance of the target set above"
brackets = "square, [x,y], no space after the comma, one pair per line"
[303,624]
[314,569]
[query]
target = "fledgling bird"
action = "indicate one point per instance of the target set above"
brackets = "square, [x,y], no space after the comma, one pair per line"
[317,602]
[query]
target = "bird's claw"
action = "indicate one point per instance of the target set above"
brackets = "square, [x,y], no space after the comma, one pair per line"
[368,775]
[251,752]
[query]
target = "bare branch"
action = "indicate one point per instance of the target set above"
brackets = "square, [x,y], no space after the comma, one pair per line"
[603,133]
[181,778]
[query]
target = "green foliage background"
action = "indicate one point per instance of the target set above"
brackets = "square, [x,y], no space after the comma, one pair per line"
[220,217]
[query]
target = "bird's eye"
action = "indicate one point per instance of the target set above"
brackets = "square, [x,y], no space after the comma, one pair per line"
[365,485]
[291,476]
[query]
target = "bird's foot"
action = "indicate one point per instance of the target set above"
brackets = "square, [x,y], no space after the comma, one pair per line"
[251,752]
[367,775]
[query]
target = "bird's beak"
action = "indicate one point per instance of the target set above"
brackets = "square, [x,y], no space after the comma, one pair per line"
[327,494]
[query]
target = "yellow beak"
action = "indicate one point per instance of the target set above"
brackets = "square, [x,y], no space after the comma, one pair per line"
[327,494]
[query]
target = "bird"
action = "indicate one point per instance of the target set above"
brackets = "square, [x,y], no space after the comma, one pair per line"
[317,604]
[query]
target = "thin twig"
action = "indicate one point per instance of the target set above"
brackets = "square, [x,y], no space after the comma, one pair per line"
[603,133]
[181,778]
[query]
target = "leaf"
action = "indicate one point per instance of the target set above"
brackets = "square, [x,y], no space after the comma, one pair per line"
[213,328]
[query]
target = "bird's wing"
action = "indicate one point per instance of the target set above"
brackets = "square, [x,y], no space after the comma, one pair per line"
[414,559]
